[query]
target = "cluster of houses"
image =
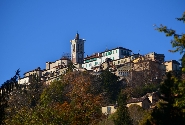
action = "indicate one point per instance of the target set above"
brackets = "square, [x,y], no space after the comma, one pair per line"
[120,61]
[146,102]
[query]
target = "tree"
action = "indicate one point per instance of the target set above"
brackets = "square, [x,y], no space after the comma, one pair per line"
[25,96]
[68,101]
[136,113]
[146,71]
[53,94]
[85,106]
[178,41]
[140,91]
[111,85]
[171,109]
[122,115]
[6,88]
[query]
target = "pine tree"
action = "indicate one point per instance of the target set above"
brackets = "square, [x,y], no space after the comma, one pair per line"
[122,114]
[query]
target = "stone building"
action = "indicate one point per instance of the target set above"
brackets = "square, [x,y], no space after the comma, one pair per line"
[172,65]
[98,58]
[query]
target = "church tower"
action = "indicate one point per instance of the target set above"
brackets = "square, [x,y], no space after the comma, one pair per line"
[77,50]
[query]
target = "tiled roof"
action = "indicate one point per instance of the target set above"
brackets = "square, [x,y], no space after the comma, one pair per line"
[173,61]
[116,48]
[93,56]
[135,100]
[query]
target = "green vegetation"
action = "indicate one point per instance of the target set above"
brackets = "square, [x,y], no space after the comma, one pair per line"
[8,86]
[122,116]
[110,85]
[137,113]
[77,98]
[140,91]
[170,110]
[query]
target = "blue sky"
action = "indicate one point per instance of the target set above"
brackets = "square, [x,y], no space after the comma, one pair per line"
[33,32]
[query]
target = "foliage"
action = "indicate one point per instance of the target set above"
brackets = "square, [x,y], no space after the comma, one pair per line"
[68,101]
[52,93]
[136,113]
[70,67]
[178,41]
[24,96]
[110,85]
[108,120]
[140,91]
[146,118]
[7,88]
[182,18]
[146,71]
[85,106]
[183,63]
[171,109]
[58,114]
[122,115]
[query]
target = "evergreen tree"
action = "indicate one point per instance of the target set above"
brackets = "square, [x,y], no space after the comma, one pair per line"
[171,109]
[110,85]
[122,114]
[178,41]
[7,88]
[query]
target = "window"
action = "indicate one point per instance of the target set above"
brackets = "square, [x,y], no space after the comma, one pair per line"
[109,110]
[122,52]
[78,47]
[74,48]
[112,51]
[81,46]
[116,51]
[94,59]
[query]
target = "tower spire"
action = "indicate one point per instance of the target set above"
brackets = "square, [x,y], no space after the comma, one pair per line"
[77,36]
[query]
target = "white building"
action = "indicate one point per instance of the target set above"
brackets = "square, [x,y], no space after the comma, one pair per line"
[98,58]
[107,110]
[24,80]
[77,50]
[52,72]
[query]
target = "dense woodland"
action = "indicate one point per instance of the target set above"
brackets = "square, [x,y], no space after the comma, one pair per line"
[77,98]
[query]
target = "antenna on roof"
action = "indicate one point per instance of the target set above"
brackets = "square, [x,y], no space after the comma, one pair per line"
[106,48]
[66,56]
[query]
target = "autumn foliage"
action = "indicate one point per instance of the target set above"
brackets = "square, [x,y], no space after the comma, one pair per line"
[69,101]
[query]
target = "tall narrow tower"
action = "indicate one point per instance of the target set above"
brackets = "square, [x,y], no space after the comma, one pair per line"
[77,50]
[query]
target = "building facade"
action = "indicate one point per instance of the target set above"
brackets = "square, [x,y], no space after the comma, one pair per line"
[77,50]
[98,58]
[172,65]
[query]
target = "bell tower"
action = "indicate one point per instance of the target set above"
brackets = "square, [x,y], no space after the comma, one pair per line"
[77,50]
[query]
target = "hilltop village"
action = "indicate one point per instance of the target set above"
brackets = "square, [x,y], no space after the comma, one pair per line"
[120,61]
[132,69]
[103,87]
